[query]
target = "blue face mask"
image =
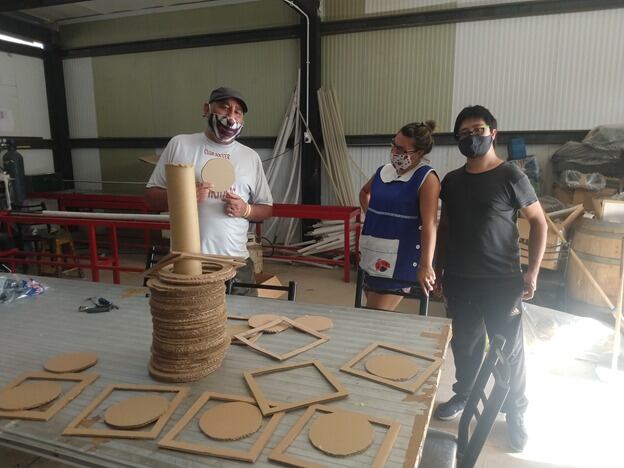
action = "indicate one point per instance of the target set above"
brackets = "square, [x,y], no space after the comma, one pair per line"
[474,146]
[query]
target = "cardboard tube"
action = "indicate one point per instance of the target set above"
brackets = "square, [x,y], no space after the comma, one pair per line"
[183,216]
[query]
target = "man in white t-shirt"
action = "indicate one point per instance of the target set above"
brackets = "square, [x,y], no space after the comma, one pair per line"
[223,216]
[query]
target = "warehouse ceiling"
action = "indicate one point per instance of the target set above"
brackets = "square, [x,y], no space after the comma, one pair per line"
[57,12]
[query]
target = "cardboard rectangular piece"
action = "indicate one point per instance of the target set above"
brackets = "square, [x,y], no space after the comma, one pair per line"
[410,386]
[84,380]
[169,442]
[278,454]
[247,338]
[74,428]
[270,280]
[269,406]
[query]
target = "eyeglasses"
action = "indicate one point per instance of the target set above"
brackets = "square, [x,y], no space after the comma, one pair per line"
[474,131]
[400,149]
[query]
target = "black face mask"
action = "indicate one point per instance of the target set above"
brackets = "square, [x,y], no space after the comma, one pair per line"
[474,146]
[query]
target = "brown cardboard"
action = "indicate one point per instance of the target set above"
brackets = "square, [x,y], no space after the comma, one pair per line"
[271,280]
[577,196]
[609,210]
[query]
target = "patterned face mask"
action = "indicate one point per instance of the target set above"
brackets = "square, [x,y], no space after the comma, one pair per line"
[226,130]
[400,162]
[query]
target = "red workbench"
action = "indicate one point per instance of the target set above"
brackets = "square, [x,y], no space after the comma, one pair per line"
[108,201]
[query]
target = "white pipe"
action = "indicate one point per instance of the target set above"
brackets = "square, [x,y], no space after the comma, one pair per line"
[293,5]
[82,214]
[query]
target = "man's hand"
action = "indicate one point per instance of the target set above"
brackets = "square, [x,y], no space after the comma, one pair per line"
[530,285]
[203,190]
[426,278]
[235,206]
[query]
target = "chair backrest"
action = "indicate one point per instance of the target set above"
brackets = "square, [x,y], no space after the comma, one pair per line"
[469,444]
[291,288]
[415,293]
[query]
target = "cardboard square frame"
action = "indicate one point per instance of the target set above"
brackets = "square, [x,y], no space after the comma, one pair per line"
[74,429]
[410,386]
[270,406]
[278,454]
[83,379]
[235,341]
[169,442]
[321,338]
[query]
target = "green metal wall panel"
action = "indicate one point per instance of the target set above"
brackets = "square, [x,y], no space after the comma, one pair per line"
[123,165]
[384,79]
[336,10]
[223,18]
[162,93]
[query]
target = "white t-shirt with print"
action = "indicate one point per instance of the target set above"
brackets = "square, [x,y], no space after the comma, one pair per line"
[219,233]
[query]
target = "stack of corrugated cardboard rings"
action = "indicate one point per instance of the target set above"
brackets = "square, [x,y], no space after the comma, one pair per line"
[189,317]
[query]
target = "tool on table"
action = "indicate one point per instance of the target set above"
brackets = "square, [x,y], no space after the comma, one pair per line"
[99,305]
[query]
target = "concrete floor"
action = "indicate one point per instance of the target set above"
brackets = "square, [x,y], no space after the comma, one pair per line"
[571,418]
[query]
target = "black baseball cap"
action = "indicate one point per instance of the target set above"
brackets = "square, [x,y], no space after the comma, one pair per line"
[223,93]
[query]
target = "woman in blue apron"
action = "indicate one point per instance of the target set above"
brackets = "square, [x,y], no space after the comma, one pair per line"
[401,205]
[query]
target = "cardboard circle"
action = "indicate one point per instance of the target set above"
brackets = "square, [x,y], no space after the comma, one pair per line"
[29,395]
[231,421]
[220,173]
[392,366]
[136,411]
[260,319]
[315,322]
[70,362]
[341,434]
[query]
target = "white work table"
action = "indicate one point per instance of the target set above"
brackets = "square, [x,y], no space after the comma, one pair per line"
[35,329]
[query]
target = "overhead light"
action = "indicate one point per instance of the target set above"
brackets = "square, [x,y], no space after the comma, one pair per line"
[4,37]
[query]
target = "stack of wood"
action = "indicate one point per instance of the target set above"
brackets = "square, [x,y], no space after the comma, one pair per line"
[336,158]
[329,237]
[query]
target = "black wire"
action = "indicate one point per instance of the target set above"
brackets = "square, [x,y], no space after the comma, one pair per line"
[281,154]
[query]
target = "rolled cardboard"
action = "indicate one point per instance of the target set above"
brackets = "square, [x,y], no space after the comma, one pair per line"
[183,216]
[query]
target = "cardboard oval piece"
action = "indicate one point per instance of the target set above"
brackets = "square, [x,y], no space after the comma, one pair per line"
[220,173]
[341,433]
[136,411]
[231,421]
[393,367]
[260,319]
[29,395]
[70,362]
[315,322]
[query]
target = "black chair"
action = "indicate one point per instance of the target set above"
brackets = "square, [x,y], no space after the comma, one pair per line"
[291,288]
[154,254]
[442,449]
[416,292]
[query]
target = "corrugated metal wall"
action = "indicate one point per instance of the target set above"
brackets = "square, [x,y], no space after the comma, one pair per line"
[24,106]
[384,79]
[214,19]
[82,121]
[556,72]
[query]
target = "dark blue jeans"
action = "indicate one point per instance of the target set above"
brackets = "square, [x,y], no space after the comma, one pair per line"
[492,306]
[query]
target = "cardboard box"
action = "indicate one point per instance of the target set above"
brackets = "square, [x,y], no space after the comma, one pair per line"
[272,280]
[552,254]
[577,196]
[609,210]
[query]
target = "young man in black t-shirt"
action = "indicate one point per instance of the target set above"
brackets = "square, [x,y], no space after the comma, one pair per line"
[478,263]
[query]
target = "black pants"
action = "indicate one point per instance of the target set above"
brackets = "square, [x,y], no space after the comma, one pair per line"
[491,306]
[245,275]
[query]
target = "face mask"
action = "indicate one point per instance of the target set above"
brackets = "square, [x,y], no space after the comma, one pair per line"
[474,146]
[226,130]
[400,162]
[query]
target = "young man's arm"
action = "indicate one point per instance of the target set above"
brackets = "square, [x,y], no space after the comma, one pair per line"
[537,244]
[440,249]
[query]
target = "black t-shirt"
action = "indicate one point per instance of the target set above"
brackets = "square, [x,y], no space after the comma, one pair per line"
[482,212]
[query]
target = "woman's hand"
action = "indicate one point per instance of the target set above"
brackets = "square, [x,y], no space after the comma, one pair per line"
[426,278]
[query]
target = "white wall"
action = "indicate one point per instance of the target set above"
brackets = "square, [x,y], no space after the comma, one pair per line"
[81,114]
[24,107]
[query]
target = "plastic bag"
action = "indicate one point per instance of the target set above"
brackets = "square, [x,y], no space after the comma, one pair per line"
[16,289]
[575,179]
[550,204]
